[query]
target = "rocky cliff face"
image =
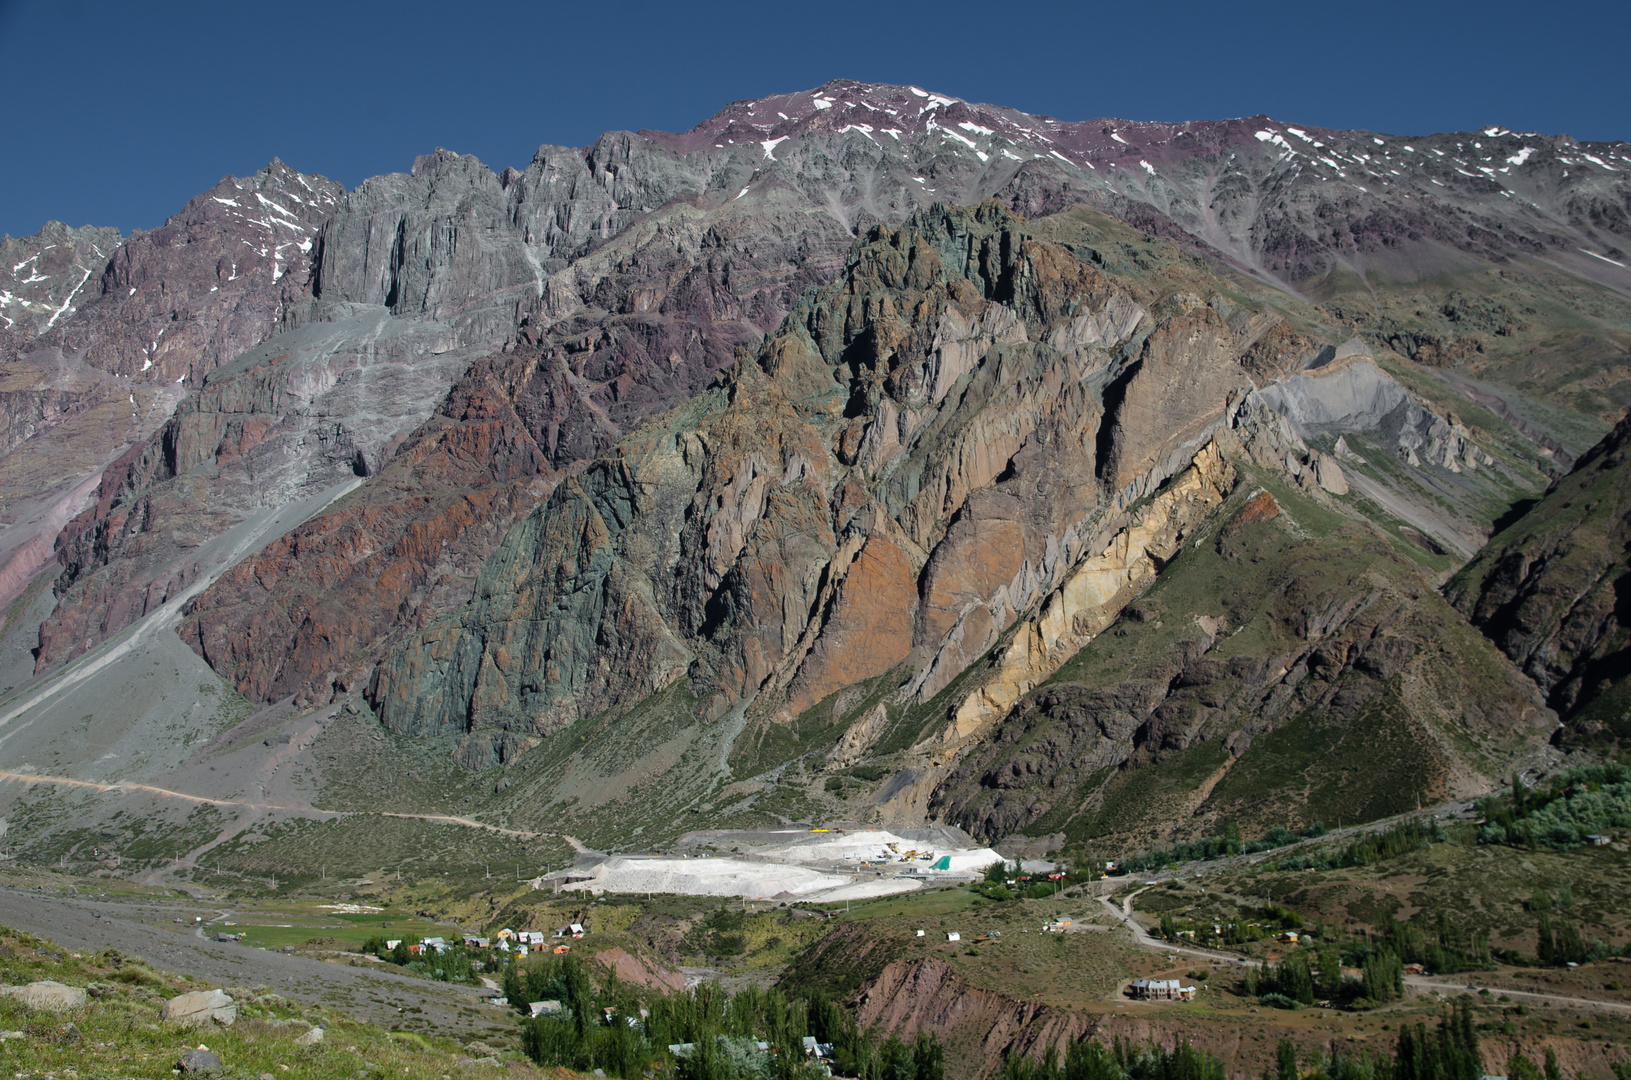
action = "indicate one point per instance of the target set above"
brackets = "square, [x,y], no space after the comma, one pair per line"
[952,448]
[416,274]
[1553,591]
[770,536]
[587,483]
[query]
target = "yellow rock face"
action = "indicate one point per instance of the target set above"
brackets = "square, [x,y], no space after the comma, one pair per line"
[1094,594]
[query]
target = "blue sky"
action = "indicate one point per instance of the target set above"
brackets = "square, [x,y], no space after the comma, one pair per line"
[118,112]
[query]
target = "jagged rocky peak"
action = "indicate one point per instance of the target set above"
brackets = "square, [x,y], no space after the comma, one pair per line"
[43,277]
[215,279]
[898,116]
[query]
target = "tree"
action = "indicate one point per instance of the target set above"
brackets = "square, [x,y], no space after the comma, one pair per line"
[513,989]
[1286,1061]
[1330,972]
[928,1058]
[1294,979]
[1571,945]
[1087,1060]
[1383,976]
[1519,1067]
[1546,945]
[897,1061]
[1553,1071]
[1169,929]
[1409,1061]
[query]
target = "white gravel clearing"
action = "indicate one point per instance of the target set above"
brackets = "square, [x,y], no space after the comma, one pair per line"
[865,890]
[708,877]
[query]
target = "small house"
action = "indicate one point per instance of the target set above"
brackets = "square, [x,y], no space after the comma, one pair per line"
[1161,990]
[544,1008]
[475,942]
[1599,840]
[954,936]
[817,1050]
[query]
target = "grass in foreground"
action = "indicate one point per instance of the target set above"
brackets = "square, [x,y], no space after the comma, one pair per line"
[118,1032]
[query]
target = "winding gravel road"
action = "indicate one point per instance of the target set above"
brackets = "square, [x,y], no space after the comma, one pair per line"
[1124,913]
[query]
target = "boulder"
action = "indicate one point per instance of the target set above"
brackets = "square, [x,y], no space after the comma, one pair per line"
[1329,474]
[200,1061]
[202,1007]
[310,1038]
[49,995]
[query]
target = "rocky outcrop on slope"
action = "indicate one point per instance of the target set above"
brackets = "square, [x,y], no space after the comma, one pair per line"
[44,277]
[1553,591]
[1258,680]
[796,529]
[378,332]
[664,307]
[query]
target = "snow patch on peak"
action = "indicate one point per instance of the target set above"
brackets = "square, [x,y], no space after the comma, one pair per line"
[771,144]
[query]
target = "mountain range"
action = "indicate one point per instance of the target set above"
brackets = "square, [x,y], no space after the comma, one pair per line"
[860,454]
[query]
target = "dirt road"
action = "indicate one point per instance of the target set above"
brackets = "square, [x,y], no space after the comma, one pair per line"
[1446,985]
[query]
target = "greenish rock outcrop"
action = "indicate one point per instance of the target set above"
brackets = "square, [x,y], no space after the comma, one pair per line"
[1553,591]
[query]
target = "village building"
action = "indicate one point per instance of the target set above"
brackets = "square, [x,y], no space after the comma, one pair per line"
[1161,990]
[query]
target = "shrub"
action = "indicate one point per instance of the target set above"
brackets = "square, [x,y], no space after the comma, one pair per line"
[137,975]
